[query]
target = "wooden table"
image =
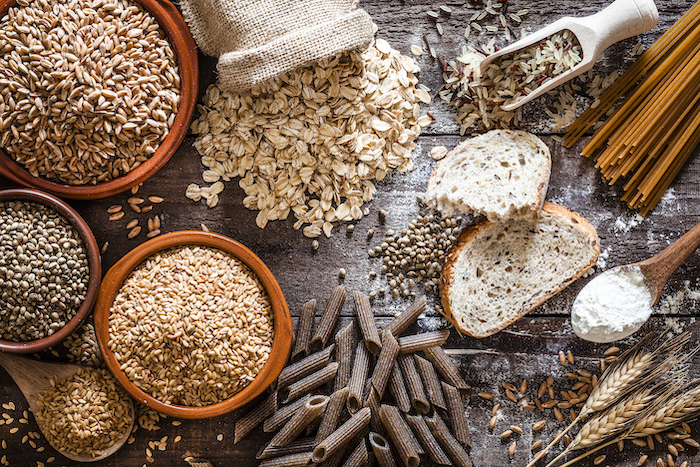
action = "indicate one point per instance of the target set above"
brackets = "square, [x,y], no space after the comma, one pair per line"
[526,350]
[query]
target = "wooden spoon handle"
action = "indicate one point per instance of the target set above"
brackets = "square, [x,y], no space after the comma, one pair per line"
[659,268]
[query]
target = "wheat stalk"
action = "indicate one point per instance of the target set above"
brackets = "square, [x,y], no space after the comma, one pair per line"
[637,367]
[634,411]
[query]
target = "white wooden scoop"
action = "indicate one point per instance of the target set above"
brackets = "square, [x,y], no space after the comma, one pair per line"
[595,33]
[33,377]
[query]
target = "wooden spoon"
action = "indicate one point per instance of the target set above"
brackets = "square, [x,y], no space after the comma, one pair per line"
[595,33]
[34,377]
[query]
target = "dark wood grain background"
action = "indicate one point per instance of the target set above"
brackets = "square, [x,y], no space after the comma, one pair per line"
[526,350]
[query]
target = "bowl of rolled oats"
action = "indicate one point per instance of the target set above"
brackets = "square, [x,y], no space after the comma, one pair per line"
[193,324]
[98,105]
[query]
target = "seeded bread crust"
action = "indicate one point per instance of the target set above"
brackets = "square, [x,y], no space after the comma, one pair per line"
[567,248]
[501,174]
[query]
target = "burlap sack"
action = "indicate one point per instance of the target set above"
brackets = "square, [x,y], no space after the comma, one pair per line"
[256,40]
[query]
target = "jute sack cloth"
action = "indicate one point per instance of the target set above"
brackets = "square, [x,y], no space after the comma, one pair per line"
[257,40]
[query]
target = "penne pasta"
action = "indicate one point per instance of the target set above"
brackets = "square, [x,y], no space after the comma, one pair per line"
[281,416]
[407,317]
[292,460]
[444,365]
[374,405]
[305,366]
[344,339]
[414,385]
[418,342]
[303,334]
[328,319]
[255,417]
[298,423]
[308,383]
[458,418]
[397,388]
[335,407]
[358,378]
[400,435]
[381,449]
[385,363]
[459,456]
[368,326]
[431,382]
[425,436]
[359,457]
[342,436]
[295,447]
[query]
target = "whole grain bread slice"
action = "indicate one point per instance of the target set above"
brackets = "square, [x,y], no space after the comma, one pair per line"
[499,271]
[501,174]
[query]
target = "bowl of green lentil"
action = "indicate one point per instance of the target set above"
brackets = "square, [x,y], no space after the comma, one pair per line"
[193,324]
[50,270]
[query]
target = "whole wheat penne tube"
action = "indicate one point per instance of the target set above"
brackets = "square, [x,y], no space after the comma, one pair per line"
[344,340]
[255,417]
[407,317]
[343,435]
[418,342]
[295,447]
[382,450]
[328,319]
[446,367]
[373,403]
[400,435]
[459,456]
[427,440]
[414,384]
[431,382]
[385,363]
[304,326]
[300,421]
[358,377]
[367,324]
[281,416]
[458,418]
[305,366]
[359,457]
[308,383]
[335,407]
[397,388]
[313,426]
[292,460]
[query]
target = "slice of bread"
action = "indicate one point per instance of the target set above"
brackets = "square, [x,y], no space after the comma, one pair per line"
[498,272]
[501,174]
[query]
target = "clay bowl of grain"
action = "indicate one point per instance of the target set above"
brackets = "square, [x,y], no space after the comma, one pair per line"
[91,259]
[102,129]
[193,324]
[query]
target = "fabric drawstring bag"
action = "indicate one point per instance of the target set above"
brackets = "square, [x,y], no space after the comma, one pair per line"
[257,40]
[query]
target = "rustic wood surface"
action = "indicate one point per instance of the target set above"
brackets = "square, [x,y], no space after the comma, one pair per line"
[526,350]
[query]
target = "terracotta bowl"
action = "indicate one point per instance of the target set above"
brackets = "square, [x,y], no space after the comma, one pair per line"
[281,344]
[94,264]
[180,38]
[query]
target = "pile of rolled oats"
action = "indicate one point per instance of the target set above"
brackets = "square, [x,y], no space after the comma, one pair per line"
[313,141]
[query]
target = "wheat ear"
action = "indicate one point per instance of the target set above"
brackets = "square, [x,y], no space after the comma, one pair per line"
[668,413]
[606,425]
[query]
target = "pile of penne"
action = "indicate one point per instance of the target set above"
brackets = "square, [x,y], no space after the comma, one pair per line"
[387,401]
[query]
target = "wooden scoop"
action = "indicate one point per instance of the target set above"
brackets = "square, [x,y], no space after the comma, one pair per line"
[33,377]
[658,269]
[595,33]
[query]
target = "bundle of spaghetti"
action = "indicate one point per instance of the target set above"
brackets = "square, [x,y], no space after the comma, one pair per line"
[643,65]
[649,137]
